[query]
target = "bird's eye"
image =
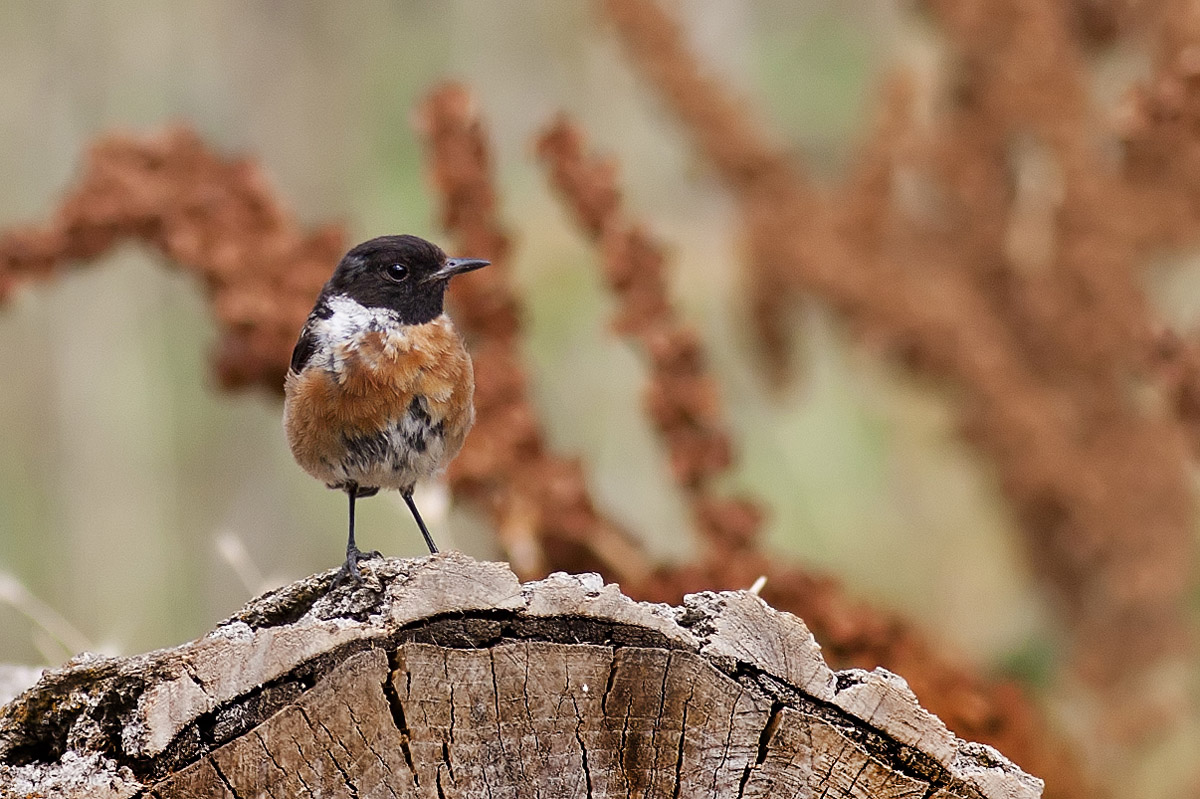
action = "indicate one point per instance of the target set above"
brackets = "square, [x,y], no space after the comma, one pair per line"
[396,272]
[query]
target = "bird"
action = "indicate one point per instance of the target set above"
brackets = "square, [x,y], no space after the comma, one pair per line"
[379,391]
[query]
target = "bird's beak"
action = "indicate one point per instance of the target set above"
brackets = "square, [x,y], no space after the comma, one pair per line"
[456,266]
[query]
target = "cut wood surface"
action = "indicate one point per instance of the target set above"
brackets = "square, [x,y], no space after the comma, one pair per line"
[446,677]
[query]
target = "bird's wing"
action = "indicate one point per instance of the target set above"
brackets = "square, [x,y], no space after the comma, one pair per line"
[306,345]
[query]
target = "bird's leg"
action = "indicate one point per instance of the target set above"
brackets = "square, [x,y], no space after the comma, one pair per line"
[412,506]
[353,555]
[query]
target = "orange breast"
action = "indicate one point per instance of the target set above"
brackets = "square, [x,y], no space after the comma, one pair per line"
[379,376]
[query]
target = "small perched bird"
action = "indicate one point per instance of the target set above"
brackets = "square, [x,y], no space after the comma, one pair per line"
[379,393]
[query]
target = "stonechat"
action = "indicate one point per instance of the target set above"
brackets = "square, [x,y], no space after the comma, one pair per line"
[379,393]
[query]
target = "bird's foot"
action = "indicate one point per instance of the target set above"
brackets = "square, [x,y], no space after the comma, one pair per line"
[349,570]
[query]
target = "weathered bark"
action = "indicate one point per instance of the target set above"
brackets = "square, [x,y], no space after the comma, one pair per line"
[445,677]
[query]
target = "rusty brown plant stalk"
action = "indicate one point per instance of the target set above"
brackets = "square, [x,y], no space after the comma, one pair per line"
[538,501]
[681,397]
[215,217]
[999,247]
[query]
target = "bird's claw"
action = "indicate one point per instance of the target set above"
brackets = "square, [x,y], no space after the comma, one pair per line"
[350,570]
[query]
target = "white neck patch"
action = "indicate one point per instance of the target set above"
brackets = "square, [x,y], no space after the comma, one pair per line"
[340,334]
[350,319]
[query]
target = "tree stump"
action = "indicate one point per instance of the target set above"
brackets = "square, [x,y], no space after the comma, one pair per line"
[446,677]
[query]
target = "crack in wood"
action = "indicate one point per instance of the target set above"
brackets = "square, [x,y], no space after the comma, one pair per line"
[857,775]
[683,726]
[764,739]
[537,744]
[266,750]
[446,760]
[437,783]
[367,741]
[335,740]
[224,780]
[496,705]
[608,686]
[396,708]
[624,731]
[746,772]
[302,757]
[587,772]
[903,759]
[453,711]
[729,728]
[660,715]
[350,786]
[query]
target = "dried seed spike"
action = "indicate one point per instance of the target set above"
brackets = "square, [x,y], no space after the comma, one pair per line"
[538,501]
[681,395]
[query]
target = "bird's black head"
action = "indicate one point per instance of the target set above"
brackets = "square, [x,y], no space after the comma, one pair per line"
[404,273]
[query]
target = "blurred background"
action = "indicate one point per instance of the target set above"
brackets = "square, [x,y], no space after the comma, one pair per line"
[140,504]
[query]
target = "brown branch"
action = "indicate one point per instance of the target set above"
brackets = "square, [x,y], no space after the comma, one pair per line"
[539,502]
[681,396]
[215,217]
